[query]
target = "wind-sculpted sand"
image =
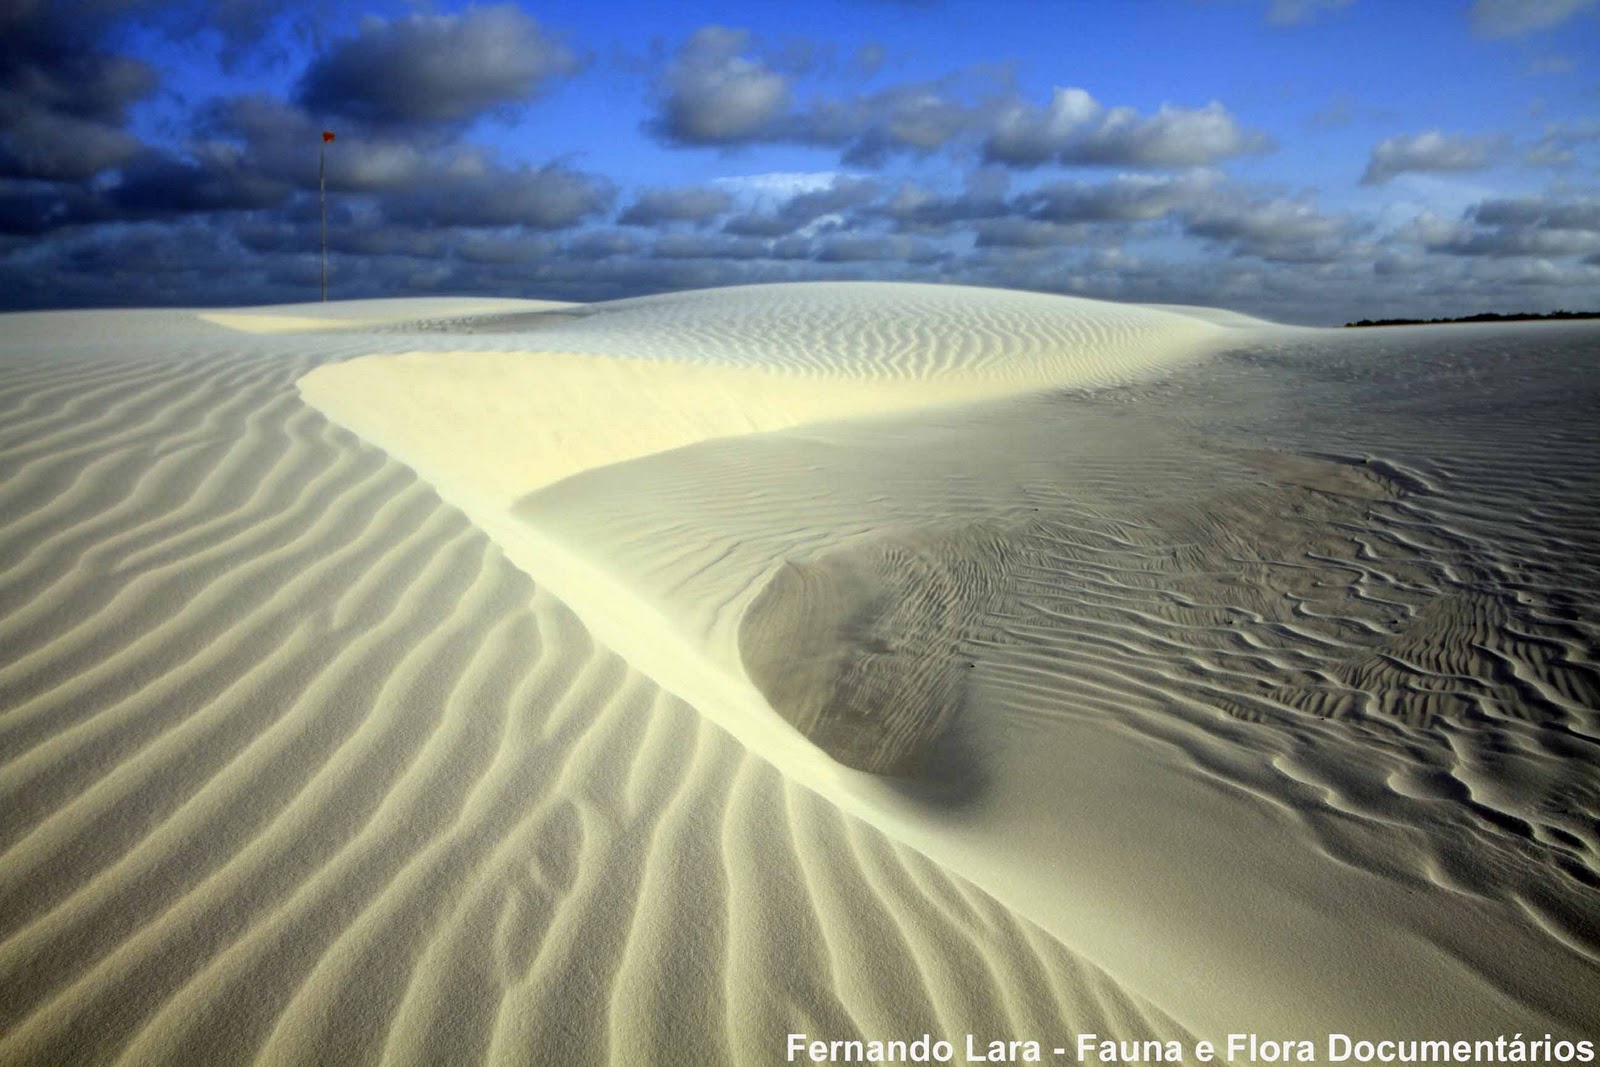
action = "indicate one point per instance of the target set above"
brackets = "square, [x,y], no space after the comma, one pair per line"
[297,768]
[855,660]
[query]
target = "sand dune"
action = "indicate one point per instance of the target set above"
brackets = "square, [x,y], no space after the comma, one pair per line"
[297,768]
[860,660]
[1040,599]
[635,377]
[369,314]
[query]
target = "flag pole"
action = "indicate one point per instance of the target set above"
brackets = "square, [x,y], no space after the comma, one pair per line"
[322,202]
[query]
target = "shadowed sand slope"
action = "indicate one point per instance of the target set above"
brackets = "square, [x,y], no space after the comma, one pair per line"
[1137,696]
[296,768]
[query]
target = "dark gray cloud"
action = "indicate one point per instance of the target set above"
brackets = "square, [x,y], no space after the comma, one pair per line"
[1277,230]
[915,208]
[1074,128]
[707,246]
[1541,227]
[33,208]
[435,68]
[877,248]
[37,143]
[1429,152]
[51,57]
[1126,198]
[600,244]
[278,139]
[501,250]
[759,224]
[64,99]
[229,206]
[656,207]
[544,198]
[158,185]
[1282,257]
[1027,233]
[1538,212]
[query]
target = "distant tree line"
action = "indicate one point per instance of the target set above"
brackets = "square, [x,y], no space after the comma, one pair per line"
[1487,316]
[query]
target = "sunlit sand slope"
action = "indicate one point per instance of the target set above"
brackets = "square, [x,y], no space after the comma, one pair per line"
[1266,682]
[295,767]
[570,392]
[369,314]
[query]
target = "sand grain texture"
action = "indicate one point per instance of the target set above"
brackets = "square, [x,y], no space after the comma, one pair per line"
[296,768]
[1218,676]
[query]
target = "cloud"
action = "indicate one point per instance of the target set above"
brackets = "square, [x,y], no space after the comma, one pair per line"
[917,118]
[1026,233]
[1536,226]
[545,198]
[1561,142]
[1431,151]
[707,246]
[278,139]
[37,143]
[1074,128]
[712,95]
[601,244]
[1276,230]
[1512,18]
[1126,198]
[64,100]
[31,209]
[164,185]
[1579,213]
[435,68]
[863,248]
[718,92]
[916,208]
[804,209]
[1296,12]
[654,207]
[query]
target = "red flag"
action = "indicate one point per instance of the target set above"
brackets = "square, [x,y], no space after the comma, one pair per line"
[327,135]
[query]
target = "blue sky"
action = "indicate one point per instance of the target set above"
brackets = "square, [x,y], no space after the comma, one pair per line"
[1310,160]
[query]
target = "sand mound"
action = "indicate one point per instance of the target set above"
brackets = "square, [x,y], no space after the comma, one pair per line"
[633,377]
[860,648]
[1163,599]
[294,766]
[298,764]
[367,314]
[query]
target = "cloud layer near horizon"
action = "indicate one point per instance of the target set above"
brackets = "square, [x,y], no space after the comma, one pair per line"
[962,177]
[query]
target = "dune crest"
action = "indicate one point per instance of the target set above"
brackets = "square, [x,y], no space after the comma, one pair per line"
[635,377]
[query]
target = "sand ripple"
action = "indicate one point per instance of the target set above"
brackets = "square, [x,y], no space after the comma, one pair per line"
[295,767]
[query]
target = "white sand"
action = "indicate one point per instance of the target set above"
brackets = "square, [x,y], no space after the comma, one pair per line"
[1244,693]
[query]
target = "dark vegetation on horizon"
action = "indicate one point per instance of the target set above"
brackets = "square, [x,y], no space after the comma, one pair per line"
[1486,316]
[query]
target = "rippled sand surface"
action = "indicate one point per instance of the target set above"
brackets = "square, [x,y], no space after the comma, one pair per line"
[851,660]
